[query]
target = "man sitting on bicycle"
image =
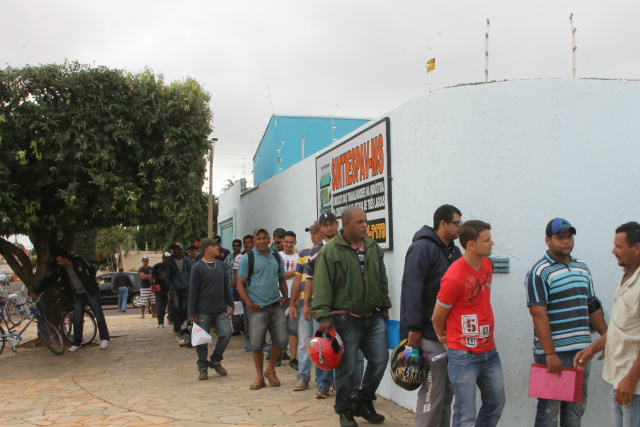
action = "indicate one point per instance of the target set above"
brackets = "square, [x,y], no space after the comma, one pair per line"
[78,278]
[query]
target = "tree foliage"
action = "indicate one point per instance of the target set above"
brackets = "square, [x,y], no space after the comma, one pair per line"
[87,147]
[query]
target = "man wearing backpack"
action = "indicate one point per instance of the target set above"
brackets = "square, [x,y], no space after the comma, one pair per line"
[263,288]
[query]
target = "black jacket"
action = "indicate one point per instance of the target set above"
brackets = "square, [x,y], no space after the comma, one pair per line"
[122,279]
[426,262]
[85,272]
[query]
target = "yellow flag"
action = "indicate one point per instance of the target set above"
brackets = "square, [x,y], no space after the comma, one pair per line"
[431,65]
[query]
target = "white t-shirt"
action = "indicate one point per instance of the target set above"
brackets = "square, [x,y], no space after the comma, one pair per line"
[289,262]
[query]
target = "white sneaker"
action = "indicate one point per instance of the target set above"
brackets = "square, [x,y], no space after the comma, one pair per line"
[75,348]
[160,326]
[104,344]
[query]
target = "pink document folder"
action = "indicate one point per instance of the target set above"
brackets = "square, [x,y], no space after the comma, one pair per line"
[551,386]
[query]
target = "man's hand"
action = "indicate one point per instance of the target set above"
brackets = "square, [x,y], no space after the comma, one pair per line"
[384,315]
[554,366]
[624,391]
[32,297]
[325,327]
[254,307]
[229,311]
[193,319]
[583,356]
[442,338]
[284,301]
[293,310]
[415,339]
[306,312]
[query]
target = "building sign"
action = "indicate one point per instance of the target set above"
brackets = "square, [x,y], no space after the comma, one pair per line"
[357,173]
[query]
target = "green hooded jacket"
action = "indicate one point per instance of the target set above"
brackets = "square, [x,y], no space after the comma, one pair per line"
[338,283]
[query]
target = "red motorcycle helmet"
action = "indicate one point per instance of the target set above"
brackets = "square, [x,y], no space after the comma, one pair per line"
[326,353]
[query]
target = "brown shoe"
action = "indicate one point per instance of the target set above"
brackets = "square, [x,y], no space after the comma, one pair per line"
[273,379]
[257,384]
[203,375]
[218,368]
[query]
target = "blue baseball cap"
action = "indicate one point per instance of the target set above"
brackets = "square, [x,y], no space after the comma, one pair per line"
[559,227]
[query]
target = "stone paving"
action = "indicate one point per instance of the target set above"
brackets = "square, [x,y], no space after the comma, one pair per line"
[144,379]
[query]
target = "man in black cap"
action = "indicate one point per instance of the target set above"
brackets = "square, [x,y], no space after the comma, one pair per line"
[146,294]
[563,305]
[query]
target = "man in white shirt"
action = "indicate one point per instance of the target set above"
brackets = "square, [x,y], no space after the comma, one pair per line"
[290,258]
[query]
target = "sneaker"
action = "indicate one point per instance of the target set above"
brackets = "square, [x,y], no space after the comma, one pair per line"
[75,348]
[293,364]
[218,368]
[285,356]
[160,326]
[346,419]
[203,375]
[279,362]
[104,344]
[169,322]
[246,346]
[301,385]
[176,332]
[323,393]
[366,410]
[332,390]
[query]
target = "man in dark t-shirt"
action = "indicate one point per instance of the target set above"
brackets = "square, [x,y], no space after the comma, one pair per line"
[145,288]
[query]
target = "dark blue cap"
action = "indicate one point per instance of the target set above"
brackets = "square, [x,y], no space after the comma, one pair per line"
[559,227]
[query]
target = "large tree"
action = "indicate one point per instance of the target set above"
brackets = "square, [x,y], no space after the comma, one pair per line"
[87,147]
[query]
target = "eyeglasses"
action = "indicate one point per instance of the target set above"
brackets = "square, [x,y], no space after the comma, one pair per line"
[236,245]
[458,223]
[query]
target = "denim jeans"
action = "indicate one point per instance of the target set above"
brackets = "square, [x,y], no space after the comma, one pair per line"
[570,412]
[161,305]
[179,300]
[123,293]
[468,370]
[368,334]
[270,318]
[625,416]
[78,317]
[305,333]
[222,326]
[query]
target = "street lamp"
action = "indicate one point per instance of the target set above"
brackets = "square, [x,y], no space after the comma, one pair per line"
[210,219]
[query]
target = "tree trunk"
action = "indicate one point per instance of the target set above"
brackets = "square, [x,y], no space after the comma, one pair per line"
[17,260]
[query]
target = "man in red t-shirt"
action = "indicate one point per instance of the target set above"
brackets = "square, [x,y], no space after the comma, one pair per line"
[463,321]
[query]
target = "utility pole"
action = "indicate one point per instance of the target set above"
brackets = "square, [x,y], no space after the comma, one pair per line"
[573,41]
[210,218]
[486,54]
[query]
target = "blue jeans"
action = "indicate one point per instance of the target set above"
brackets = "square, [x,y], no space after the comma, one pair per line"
[625,416]
[468,370]
[570,412]
[123,293]
[78,317]
[221,323]
[179,300]
[270,318]
[305,333]
[368,334]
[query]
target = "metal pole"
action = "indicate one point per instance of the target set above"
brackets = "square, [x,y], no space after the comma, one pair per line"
[573,41]
[210,218]
[486,54]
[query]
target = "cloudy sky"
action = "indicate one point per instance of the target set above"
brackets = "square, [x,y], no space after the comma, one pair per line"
[320,58]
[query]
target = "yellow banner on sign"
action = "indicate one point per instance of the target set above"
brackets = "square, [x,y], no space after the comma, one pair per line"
[431,65]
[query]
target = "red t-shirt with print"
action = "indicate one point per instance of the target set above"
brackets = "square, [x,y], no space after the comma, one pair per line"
[468,293]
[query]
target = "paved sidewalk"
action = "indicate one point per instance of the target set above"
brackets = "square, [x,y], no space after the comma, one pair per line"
[144,378]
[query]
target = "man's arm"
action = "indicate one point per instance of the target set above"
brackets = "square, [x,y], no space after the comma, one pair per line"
[289,274]
[384,287]
[284,290]
[583,356]
[194,288]
[295,298]
[308,294]
[543,332]
[323,293]
[626,387]
[416,271]
[244,296]
[439,320]
[597,322]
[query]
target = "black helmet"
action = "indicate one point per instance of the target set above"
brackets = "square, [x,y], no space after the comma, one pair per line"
[408,366]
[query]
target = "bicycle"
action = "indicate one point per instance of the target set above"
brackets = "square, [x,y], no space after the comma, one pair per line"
[48,334]
[11,309]
[89,329]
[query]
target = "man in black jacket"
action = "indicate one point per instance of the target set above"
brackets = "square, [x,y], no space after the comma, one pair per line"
[122,286]
[428,258]
[78,279]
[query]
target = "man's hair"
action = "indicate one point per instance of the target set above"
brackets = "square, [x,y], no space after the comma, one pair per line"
[121,269]
[279,233]
[248,236]
[61,253]
[470,230]
[444,213]
[632,229]
[236,241]
[290,234]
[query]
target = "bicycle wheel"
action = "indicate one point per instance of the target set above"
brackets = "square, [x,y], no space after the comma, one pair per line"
[50,336]
[16,314]
[2,340]
[89,329]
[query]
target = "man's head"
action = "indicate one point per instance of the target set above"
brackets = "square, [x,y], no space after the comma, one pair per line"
[63,258]
[328,224]
[626,245]
[145,261]
[237,246]
[176,249]
[447,220]
[354,224]
[475,237]
[164,257]
[261,239]
[559,238]
[278,237]
[247,241]
[210,247]
[121,270]
[289,242]
[315,232]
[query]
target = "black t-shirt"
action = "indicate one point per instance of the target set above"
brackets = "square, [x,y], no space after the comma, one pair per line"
[145,284]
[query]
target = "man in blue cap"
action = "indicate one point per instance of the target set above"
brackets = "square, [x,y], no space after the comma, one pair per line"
[563,305]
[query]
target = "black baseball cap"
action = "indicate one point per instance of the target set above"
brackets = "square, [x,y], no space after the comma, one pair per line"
[327,216]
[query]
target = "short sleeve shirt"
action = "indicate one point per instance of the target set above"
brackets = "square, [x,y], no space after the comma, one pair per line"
[289,262]
[467,293]
[264,288]
[311,264]
[303,259]
[145,284]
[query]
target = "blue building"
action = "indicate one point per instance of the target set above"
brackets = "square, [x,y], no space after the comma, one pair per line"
[317,132]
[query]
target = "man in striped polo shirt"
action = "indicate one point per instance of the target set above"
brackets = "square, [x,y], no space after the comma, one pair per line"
[563,305]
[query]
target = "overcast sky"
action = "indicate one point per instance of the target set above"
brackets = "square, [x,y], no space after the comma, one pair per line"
[320,58]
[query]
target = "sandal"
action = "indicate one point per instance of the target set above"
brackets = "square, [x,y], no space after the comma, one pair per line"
[273,378]
[257,384]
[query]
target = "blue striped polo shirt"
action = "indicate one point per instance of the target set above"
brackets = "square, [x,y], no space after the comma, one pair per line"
[564,289]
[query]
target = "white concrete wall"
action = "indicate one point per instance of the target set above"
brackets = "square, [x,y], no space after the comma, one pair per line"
[515,154]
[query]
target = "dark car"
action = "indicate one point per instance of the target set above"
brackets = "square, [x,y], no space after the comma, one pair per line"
[107,296]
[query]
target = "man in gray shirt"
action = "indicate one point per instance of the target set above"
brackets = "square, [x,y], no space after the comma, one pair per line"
[210,301]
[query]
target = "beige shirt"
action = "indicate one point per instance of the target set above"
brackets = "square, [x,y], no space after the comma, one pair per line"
[623,335]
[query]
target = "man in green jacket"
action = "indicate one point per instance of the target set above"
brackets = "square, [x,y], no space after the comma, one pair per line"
[351,296]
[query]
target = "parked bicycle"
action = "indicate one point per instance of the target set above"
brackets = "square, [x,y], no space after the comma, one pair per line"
[48,334]
[12,310]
